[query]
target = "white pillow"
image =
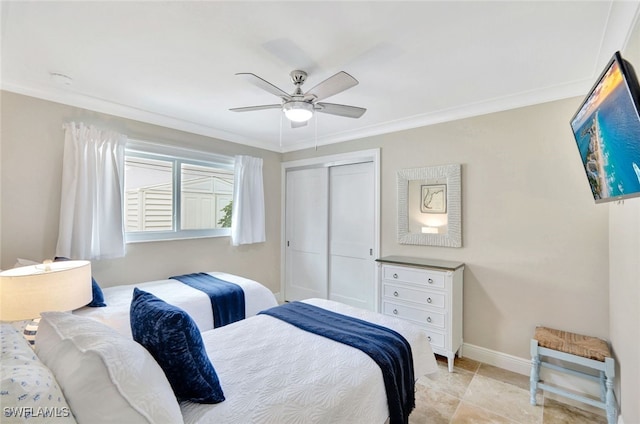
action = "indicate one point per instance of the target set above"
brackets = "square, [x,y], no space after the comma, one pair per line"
[106,377]
[25,262]
[27,386]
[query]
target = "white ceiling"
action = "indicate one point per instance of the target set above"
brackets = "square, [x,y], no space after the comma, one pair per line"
[418,63]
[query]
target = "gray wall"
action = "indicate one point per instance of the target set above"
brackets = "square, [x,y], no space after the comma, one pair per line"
[31,170]
[535,244]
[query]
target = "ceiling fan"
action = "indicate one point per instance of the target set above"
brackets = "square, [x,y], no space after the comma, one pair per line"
[299,107]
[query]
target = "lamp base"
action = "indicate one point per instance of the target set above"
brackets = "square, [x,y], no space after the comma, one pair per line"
[30,331]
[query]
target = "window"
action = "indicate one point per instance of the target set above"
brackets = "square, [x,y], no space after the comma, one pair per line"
[173,193]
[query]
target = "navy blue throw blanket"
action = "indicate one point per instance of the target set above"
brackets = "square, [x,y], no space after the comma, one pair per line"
[227,299]
[387,348]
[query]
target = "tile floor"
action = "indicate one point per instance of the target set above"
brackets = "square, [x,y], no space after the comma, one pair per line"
[476,393]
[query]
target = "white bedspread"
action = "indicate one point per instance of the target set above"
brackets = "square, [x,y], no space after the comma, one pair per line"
[195,302]
[273,372]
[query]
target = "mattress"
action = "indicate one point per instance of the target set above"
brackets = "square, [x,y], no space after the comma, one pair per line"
[273,372]
[195,302]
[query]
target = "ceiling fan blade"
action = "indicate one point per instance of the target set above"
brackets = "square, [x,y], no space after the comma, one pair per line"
[332,85]
[265,85]
[340,110]
[295,124]
[290,54]
[252,108]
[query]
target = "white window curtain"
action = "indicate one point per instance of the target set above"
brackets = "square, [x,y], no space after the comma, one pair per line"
[91,221]
[247,216]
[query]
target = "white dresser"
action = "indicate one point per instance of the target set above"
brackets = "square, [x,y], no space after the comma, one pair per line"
[428,293]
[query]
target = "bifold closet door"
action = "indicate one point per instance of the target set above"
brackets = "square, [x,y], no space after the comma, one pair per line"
[352,235]
[306,232]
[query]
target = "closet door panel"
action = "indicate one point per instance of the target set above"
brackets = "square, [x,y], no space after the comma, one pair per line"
[306,232]
[351,235]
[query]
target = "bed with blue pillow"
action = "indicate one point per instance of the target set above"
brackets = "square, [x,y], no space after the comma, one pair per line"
[198,303]
[273,369]
[259,370]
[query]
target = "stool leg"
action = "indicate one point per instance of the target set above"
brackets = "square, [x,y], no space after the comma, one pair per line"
[535,371]
[603,386]
[611,405]
[610,402]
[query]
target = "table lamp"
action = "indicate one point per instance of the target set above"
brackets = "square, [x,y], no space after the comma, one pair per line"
[27,291]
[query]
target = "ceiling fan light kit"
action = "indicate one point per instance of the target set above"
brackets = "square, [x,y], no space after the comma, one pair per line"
[298,111]
[299,107]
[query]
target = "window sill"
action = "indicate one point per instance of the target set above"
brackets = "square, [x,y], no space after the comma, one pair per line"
[151,236]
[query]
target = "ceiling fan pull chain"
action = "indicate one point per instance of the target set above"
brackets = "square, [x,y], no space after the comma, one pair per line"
[281,131]
[316,129]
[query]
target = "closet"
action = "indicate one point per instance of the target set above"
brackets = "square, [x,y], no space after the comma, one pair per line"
[331,222]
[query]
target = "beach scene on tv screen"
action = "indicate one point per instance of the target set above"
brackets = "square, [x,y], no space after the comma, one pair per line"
[607,130]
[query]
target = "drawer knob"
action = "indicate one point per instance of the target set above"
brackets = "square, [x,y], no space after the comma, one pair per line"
[395,275]
[428,319]
[395,312]
[430,281]
[429,338]
[395,293]
[429,300]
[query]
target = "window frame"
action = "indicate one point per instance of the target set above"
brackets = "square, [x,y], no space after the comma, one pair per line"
[177,156]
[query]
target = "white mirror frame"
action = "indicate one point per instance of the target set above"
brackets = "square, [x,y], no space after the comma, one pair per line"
[453,236]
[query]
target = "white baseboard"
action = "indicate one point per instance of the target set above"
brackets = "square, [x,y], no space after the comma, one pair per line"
[497,359]
[523,366]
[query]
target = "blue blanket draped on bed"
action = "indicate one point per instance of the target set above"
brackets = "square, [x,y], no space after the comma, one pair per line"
[227,299]
[386,347]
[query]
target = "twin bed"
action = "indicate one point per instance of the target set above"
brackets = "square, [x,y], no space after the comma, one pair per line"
[286,375]
[270,371]
[195,302]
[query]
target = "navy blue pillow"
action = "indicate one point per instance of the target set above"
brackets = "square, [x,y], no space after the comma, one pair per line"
[98,297]
[173,339]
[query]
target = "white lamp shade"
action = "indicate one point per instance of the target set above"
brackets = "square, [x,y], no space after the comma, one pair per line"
[27,291]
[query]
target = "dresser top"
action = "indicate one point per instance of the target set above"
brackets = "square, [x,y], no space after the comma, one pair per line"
[425,262]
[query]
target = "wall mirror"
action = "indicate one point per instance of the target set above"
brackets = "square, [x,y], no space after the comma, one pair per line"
[429,206]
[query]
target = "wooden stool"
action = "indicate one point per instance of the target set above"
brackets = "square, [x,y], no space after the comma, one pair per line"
[586,351]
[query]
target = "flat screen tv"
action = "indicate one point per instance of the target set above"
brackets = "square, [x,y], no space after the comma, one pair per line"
[607,131]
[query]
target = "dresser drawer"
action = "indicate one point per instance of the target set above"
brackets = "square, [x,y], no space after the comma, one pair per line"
[417,315]
[436,339]
[398,292]
[416,276]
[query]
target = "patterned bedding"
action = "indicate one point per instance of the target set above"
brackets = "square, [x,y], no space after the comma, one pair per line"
[284,374]
[195,302]
[29,391]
